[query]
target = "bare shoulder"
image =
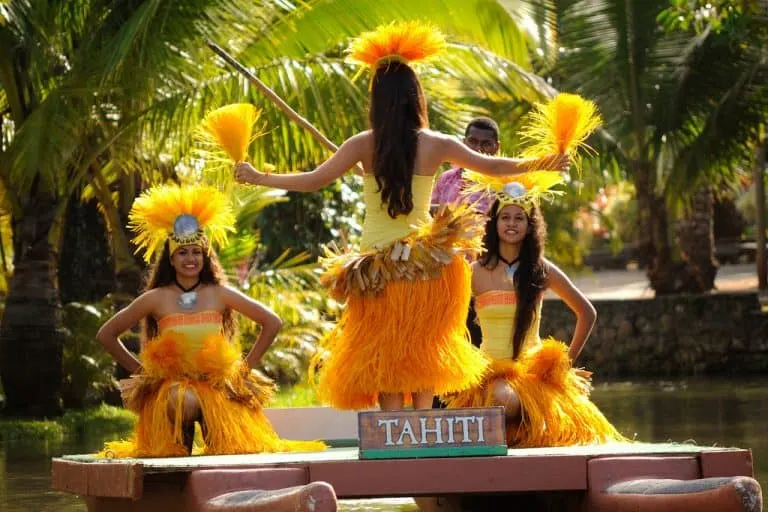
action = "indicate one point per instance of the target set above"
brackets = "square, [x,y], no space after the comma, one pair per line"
[434,148]
[360,141]
[226,290]
[150,302]
[431,137]
[361,146]
[554,273]
[152,297]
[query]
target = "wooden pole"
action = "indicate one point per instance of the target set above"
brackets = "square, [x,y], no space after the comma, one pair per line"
[762,279]
[277,100]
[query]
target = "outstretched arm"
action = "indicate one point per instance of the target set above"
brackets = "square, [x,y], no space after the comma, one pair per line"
[348,155]
[126,318]
[459,154]
[579,304]
[259,313]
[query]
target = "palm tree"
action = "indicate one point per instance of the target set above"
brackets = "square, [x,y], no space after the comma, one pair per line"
[97,89]
[723,89]
[657,90]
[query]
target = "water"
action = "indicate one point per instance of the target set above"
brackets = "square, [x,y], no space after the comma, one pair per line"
[709,412]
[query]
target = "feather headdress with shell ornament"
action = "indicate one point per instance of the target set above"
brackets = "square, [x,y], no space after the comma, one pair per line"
[523,190]
[184,215]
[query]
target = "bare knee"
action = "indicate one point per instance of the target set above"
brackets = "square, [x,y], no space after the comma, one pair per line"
[189,404]
[503,394]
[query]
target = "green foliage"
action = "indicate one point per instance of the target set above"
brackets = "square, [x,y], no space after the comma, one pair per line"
[97,421]
[90,423]
[87,368]
[562,239]
[701,15]
[40,430]
[291,289]
[298,395]
[306,222]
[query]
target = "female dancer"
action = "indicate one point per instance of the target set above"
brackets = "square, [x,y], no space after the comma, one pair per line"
[402,335]
[190,368]
[546,401]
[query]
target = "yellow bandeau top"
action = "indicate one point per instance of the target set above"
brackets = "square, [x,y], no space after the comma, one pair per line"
[195,327]
[379,229]
[496,311]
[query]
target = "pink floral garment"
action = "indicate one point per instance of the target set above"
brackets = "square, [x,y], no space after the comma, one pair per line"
[448,190]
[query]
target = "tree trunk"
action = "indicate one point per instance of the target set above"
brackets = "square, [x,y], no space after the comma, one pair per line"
[127,272]
[695,237]
[654,236]
[762,262]
[31,336]
[85,266]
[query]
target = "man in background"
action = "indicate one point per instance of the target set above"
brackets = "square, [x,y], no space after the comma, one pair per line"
[481,135]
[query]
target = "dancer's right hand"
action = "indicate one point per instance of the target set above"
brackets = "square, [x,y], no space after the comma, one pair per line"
[247,174]
[559,162]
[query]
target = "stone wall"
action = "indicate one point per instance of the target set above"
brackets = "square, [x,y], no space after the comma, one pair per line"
[677,336]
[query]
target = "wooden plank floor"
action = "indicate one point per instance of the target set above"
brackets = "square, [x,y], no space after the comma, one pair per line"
[174,464]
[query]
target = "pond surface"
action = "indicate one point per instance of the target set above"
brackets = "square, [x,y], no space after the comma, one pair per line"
[709,412]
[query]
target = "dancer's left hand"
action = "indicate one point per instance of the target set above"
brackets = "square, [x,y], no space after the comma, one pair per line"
[247,174]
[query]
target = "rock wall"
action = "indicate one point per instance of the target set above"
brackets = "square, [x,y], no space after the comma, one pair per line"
[676,336]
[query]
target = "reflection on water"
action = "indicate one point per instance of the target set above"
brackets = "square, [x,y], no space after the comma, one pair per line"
[704,411]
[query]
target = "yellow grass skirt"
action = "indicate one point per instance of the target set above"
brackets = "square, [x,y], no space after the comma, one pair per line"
[404,326]
[410,337]
[556,409]
[229,393]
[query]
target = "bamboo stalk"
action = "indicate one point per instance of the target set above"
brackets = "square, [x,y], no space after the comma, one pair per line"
[277,100]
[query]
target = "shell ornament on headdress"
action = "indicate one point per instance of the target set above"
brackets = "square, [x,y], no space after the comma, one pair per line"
[402,41]
[523,190]
[184,215]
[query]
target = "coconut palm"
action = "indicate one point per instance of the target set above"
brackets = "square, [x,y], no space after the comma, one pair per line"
[681,107]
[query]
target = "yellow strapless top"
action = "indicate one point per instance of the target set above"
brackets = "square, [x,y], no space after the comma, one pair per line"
[496,313]
[379,229]
[195,327]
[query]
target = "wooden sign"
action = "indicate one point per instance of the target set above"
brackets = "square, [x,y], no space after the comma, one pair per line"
[432,433]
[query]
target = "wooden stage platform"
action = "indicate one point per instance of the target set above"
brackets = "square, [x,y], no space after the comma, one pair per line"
[530,469]
[590,473]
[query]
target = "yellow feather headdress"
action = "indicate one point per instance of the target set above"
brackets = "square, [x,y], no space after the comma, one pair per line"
[402,41]
[523,190]
[185,215]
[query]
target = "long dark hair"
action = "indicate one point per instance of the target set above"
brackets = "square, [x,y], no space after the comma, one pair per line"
[531,275]
[162,274]
[397,112]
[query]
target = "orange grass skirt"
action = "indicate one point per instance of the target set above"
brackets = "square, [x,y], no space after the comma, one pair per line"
[556,409]
[230,396]
[410,337]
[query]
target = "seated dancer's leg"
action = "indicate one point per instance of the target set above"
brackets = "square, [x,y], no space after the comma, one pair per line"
[504,395]
[423,399]
[391,401]
[190,412]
